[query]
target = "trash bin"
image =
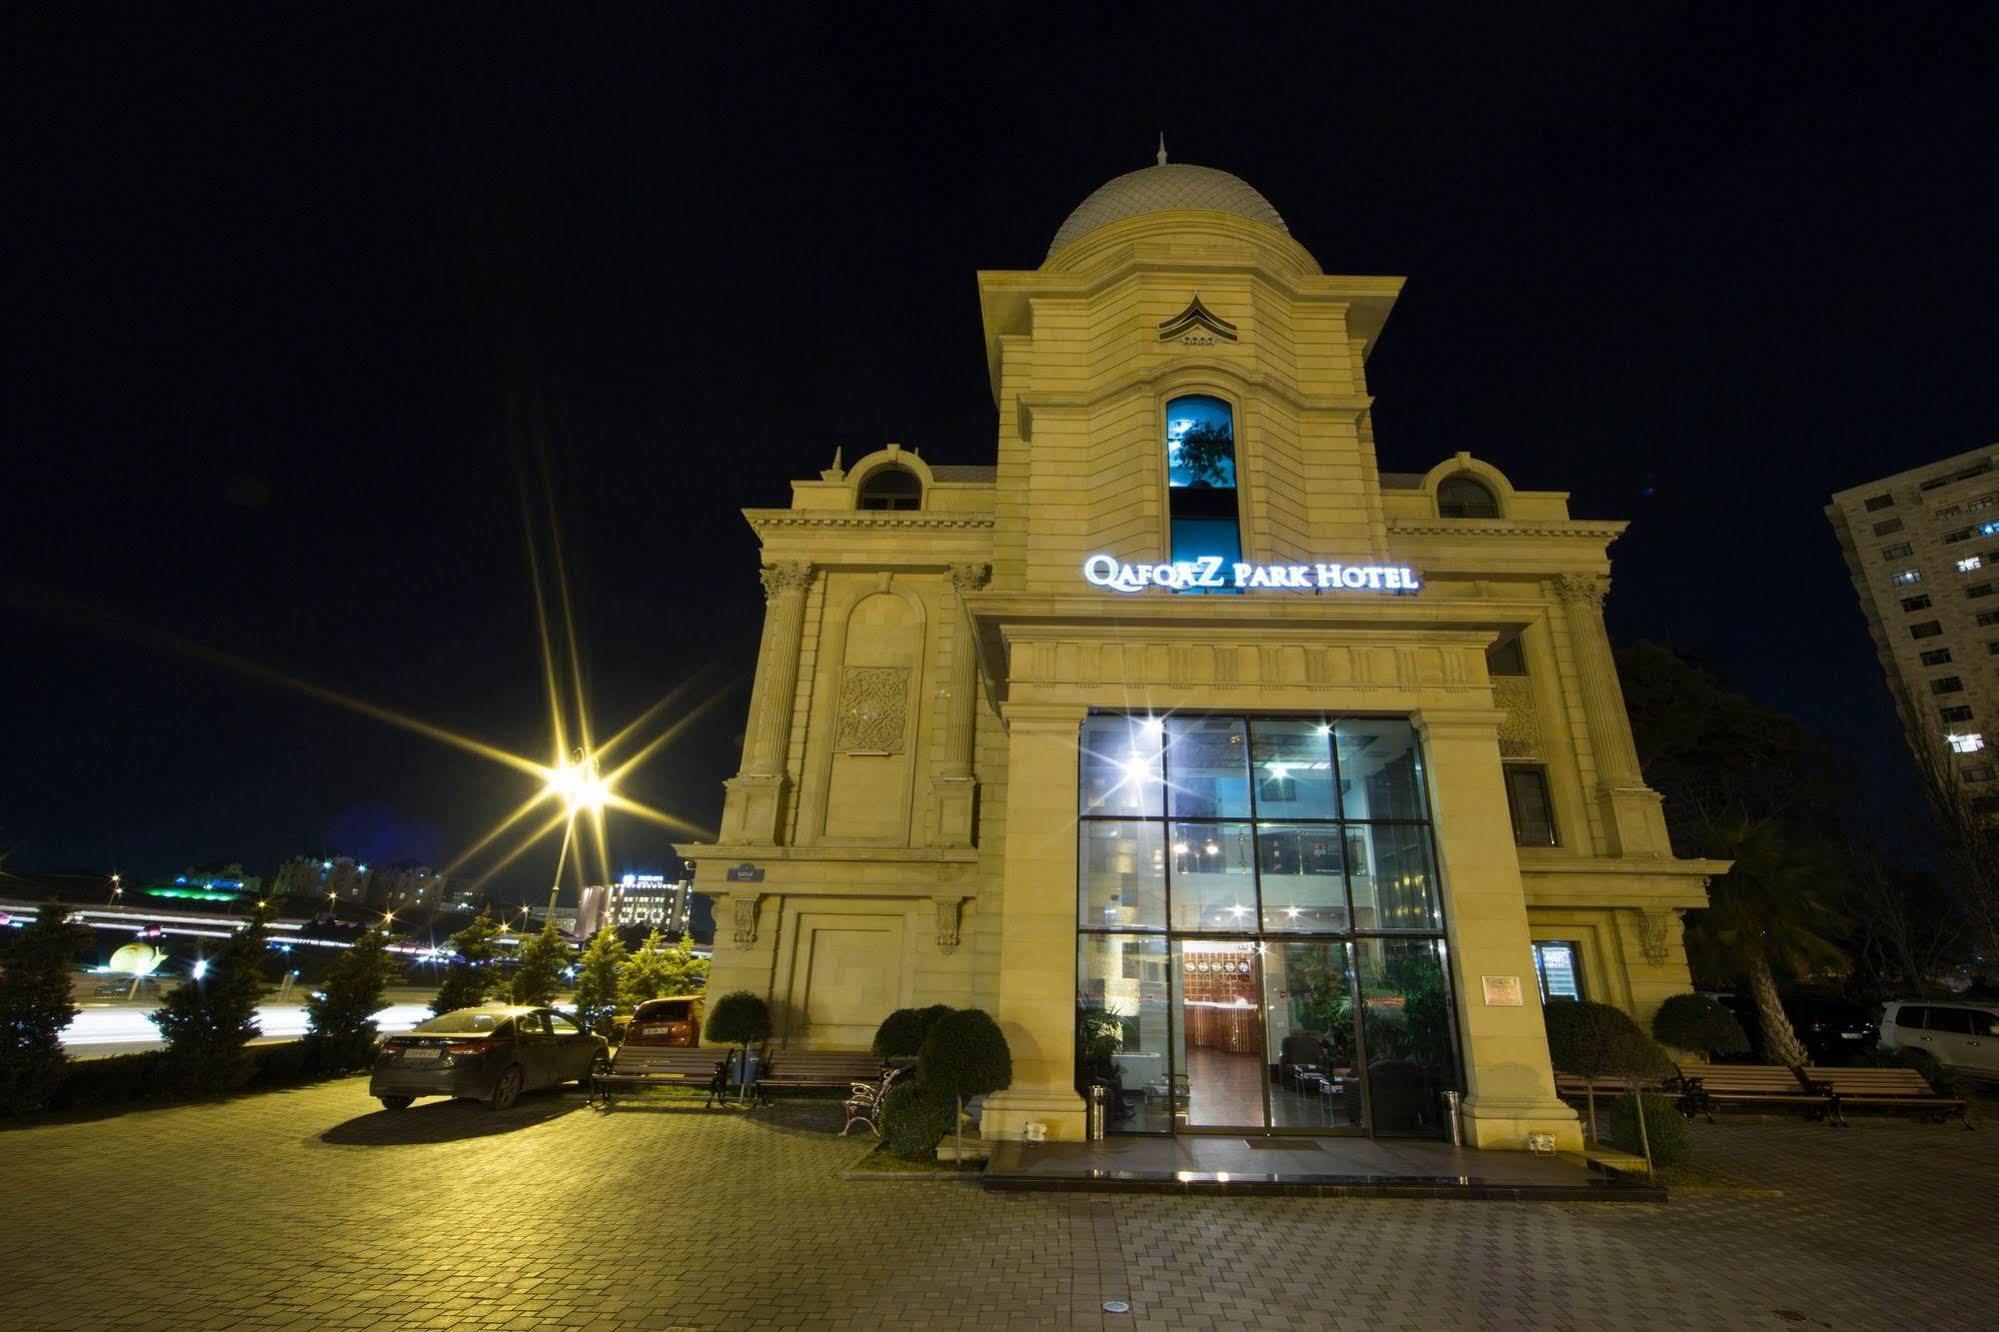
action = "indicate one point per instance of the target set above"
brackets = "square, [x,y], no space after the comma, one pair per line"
[1451,1115]
[1094,1123]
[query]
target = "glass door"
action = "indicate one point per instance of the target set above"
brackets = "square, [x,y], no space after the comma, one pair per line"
[1315,1070]
[1218,1013]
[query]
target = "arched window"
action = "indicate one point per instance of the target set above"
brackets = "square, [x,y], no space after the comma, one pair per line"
[1465,496]
[1201,480]
[891,488]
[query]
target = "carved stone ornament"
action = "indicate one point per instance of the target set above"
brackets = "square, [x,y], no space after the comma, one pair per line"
[746,921]
[1573,588]
[786,576]
[949,912]
[1197,325]
[1652,934]
[1520,728]
[970,577]
[874,704]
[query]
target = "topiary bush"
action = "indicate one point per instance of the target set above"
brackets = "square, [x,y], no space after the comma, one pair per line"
[902,1033]
[915,1118]
[1696,1022]
[1671,1137]
[740,1017]
[1601,1041]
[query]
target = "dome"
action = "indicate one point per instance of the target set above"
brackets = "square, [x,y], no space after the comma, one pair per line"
[1162,188]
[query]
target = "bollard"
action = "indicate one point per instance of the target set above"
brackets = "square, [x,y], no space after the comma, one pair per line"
[1094,1124]
[1451,1113]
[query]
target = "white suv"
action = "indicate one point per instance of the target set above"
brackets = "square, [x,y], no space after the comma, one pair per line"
[1964,1037]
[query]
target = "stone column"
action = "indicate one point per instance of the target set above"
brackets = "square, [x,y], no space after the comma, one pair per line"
[1037,964]
[1632,817]
[955,786]
[1509,1084]
[755,796]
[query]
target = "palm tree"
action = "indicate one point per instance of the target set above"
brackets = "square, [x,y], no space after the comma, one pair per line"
[1768,914]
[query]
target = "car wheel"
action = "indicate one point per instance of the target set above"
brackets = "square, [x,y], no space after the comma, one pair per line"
[395,1102]
[507,1090]
[600,1064]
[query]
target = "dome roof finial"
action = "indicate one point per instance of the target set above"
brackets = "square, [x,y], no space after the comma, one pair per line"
[1162,147]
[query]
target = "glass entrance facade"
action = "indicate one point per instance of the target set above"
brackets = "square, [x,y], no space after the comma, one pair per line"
[1260,928]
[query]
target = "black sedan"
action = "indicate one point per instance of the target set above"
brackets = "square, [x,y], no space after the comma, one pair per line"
[489,1054]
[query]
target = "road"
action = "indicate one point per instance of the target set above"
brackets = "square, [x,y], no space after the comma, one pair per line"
[109,1027]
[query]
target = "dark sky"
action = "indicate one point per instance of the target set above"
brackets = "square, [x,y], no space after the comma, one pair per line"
[290,293]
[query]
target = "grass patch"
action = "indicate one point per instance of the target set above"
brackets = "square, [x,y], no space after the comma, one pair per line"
[879,1162]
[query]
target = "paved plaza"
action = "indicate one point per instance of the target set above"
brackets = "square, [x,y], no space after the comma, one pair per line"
[314,1209]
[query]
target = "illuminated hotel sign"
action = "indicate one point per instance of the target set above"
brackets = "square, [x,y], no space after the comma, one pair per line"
[1213,571]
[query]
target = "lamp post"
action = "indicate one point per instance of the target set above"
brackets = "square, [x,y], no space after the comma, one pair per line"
[117,890]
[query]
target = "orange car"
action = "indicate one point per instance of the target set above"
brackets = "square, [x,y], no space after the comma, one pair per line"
[675,1021]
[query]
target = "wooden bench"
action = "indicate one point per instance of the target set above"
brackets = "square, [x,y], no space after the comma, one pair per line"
[802,1070]
[666,1066]
[1705,1086]
[1885,1089]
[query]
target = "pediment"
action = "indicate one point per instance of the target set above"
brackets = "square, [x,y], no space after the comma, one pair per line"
[1198,325]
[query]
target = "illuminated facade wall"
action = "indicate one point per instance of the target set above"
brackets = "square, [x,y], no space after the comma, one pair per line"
[905,827]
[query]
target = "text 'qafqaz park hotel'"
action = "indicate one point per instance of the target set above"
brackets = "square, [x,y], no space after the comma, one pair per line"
[1267,788]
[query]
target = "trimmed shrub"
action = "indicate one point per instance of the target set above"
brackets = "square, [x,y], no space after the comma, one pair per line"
[740,1017]
[111,1081]
[1696,1022]
[915,1118]
[903,1032]
[966,1055]
[1672,1138]
[1600,1041]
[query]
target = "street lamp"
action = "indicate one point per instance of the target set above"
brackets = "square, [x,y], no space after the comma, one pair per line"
[117,888]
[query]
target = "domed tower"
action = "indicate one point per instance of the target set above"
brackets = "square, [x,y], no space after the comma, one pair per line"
[1174,298]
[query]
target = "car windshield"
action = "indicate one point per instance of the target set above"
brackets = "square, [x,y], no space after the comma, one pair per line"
[462,1020]
[663,1010]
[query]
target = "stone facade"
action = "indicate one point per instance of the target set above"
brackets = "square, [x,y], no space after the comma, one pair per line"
[903,829]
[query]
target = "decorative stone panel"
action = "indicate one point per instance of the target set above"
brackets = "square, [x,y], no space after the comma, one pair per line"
[874,707]
[1520,728]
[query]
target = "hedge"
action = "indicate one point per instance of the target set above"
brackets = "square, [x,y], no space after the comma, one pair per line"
[119,1080]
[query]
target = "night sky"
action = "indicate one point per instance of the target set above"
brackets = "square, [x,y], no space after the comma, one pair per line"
[293,297]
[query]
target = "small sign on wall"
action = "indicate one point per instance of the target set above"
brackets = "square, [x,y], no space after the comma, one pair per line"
[745,873]
[1502,992]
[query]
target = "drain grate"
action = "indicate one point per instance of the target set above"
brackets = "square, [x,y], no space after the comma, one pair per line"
[1283,1145]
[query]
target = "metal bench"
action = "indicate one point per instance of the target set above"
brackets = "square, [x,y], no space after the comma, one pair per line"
[1885,1089]
[864,1106]
[666,1066]
[803,1070]
[1703,1087]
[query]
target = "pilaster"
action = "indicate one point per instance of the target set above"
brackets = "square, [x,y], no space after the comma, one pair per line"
[954,786]
[1509,1083]
[1632,814]
[1037,981]
[754,805]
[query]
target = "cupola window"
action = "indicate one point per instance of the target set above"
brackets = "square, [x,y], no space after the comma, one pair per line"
[1465,496]
[891,488]
[1201,480]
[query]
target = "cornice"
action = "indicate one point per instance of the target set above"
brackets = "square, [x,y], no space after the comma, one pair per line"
[890,521]
[1600,531]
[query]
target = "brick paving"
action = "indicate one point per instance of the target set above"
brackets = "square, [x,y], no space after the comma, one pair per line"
[311,1209]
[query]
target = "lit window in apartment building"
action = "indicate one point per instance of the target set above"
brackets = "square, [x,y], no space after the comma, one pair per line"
[1954,714]
[1966,744]
[1946,684]
[1926,629]
[1900,550]
[1876,503]
[1988,529]
[1892,525]
[1916,603]
[1970,562]
[1904,577]
[1936,656]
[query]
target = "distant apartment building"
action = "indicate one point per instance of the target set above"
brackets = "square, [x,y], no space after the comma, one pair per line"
[1923,550]
[393,887]
[637,899]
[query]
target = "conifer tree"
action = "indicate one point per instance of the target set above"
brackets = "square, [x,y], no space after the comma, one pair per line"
[598,981]
[538,964]
[35,1005]
[209,1020]
[658,971]
[471,978]
[340,1018]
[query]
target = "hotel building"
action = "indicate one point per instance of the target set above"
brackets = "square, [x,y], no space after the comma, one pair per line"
[1262,787]
[1922,547]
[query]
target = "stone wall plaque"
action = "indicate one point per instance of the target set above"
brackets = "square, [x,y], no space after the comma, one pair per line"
[1503,992]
